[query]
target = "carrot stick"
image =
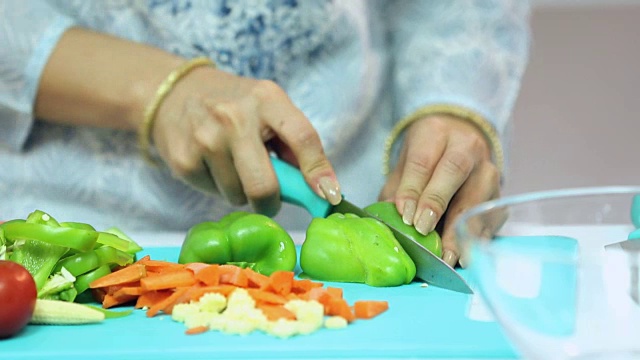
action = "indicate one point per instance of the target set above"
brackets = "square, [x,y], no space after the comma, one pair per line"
[150,298]
[224,290]
[367,309]
[196,330]
[168,280]
[110,301]
[164,304]
[209,275]
[127,274]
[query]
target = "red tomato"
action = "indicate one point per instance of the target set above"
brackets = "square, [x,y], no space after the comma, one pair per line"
[17,297]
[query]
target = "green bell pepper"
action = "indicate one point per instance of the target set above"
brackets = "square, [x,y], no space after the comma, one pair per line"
[348,248]
[387,212]
[241,238]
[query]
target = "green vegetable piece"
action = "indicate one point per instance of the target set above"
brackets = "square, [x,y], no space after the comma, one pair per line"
[82,282]
[79,263]
[241,237]
[41,217]
[132,246]
[110,314]
[59,286]
[387,212]
[78,225]
[347,248]
[67,237]
[38,257]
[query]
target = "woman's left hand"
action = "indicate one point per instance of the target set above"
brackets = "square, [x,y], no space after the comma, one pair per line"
[444,166]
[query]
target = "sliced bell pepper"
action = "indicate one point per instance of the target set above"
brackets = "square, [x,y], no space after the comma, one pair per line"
[241,238]
[387,212]
[348,248]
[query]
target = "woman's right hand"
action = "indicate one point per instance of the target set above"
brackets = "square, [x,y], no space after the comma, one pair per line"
[212,131]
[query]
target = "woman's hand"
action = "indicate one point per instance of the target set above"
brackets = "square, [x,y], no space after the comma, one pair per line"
[444,168]
[212,130]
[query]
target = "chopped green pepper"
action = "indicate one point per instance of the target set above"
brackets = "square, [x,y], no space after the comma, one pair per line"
[387,212]
[241,238]
[348,248]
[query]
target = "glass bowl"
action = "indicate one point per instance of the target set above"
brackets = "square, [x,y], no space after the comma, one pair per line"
[539,262]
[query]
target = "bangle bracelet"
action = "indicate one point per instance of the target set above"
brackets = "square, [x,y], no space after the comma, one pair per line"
[474,118]
[144,133]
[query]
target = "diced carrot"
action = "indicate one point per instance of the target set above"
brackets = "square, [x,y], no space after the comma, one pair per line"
[304,285]
[142,259]
[266,297]
[275,312]
[256,280]
[280,282]
[209,275]
[127,274]
[166,304]
[150,298]
[168,280]
[149,263]
[197,330]
[340,307]
[233,275]
[335,292]
[367,309]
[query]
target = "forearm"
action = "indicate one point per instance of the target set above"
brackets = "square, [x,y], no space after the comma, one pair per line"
[98,80]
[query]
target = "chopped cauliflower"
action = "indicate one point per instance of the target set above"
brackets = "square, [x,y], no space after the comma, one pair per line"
[336,322]
[238,314]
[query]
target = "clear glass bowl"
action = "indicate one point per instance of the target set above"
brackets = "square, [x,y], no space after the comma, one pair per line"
[540,263]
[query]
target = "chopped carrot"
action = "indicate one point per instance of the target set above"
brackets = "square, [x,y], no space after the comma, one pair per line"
[209,275]
[166,304]
[266,297]
[367,309]
[340,307]
[127,274]
[256,280]
[149,263]
[335,292]
[197,330]
[224,290]
[129,290]
[110,300]
[147,299]
[275,312]
[233,275]
[281,282]
[168,280]
[196,266]
[304,285]
[142,259]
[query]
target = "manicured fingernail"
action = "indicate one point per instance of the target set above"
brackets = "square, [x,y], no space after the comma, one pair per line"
[330,190]
[450,258]
[426,222]
[409,212]
[462,261]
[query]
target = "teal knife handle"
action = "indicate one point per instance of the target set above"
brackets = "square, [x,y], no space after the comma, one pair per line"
[635,211]
[295,190]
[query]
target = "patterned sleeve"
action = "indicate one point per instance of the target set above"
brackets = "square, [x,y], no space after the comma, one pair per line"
[470,53]
[30,29]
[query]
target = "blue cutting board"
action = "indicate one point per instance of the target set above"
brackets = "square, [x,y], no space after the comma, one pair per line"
[422,322]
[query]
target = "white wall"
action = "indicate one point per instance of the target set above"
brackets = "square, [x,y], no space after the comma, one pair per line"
[577,120]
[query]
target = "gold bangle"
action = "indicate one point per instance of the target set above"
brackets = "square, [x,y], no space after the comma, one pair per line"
[480,122]
[144,133]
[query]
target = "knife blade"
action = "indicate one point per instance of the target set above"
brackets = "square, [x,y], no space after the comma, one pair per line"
[632,247]
[429,267]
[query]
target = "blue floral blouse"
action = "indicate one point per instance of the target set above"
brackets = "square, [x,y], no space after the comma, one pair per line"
[353,67]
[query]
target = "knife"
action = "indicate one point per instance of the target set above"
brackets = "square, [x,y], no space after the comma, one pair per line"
[429,267]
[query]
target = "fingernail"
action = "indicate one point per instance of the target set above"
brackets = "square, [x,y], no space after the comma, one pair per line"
[330,190]
[462,261]
[409,212]
[450,258]
[426,222]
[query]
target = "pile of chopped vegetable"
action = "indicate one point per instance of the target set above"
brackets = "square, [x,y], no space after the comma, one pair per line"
[231,299]
[64,257]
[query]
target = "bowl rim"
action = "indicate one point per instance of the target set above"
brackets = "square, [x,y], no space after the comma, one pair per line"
[461,229]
